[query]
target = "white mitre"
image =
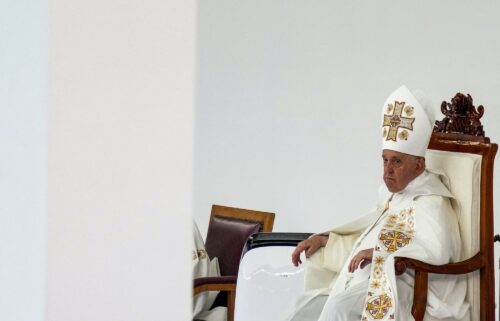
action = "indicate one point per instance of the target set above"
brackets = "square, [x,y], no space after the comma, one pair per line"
[407,122]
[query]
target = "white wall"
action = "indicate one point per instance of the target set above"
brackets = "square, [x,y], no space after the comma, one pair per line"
[289,95]
[119,160]
[23,144]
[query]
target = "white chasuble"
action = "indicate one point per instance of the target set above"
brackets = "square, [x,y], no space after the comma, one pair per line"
[418,223]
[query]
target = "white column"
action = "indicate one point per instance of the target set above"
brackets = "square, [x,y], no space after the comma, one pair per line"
[23,144]
[120,158]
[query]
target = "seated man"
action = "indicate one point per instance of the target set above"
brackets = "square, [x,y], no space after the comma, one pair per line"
[351,274]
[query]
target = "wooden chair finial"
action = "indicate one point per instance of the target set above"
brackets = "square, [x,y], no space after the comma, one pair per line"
[461,117]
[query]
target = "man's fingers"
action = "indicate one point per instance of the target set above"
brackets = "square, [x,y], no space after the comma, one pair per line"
[358,261]
[298,250]
[352,265]
[367,260]
[309,247]
[362,259]
[296,259]
[310,250]
[296,253]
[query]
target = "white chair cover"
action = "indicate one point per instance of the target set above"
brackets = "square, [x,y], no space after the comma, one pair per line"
[463,171]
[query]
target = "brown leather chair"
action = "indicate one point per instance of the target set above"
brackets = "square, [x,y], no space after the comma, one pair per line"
[228,230]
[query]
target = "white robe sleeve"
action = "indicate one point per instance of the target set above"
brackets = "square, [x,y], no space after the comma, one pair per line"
[323,267]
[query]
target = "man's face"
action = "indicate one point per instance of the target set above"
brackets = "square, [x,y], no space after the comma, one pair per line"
[400,169]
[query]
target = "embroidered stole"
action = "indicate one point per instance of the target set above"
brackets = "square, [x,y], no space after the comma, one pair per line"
[397,232]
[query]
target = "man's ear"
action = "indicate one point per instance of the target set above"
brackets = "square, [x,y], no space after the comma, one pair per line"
[420,164]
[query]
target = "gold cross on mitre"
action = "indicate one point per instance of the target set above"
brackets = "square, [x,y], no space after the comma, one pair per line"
[379,306]
[394,240]
[396,120]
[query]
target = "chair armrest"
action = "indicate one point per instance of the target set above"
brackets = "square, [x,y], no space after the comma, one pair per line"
[214,283]
[421,277]
[469,265]
[218,283]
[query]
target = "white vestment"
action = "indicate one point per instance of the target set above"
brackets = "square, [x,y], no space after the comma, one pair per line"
[418,223]
[204,267]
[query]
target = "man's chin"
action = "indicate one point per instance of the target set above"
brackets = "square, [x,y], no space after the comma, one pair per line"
[390,185]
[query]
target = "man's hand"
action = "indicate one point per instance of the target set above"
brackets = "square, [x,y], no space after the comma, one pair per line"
[362,259]
[309,246]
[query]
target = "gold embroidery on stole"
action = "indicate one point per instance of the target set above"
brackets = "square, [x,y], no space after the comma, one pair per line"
[397,232]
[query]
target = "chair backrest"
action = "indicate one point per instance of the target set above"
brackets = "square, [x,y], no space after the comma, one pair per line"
[467,161]
[228,230]
[463,171]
